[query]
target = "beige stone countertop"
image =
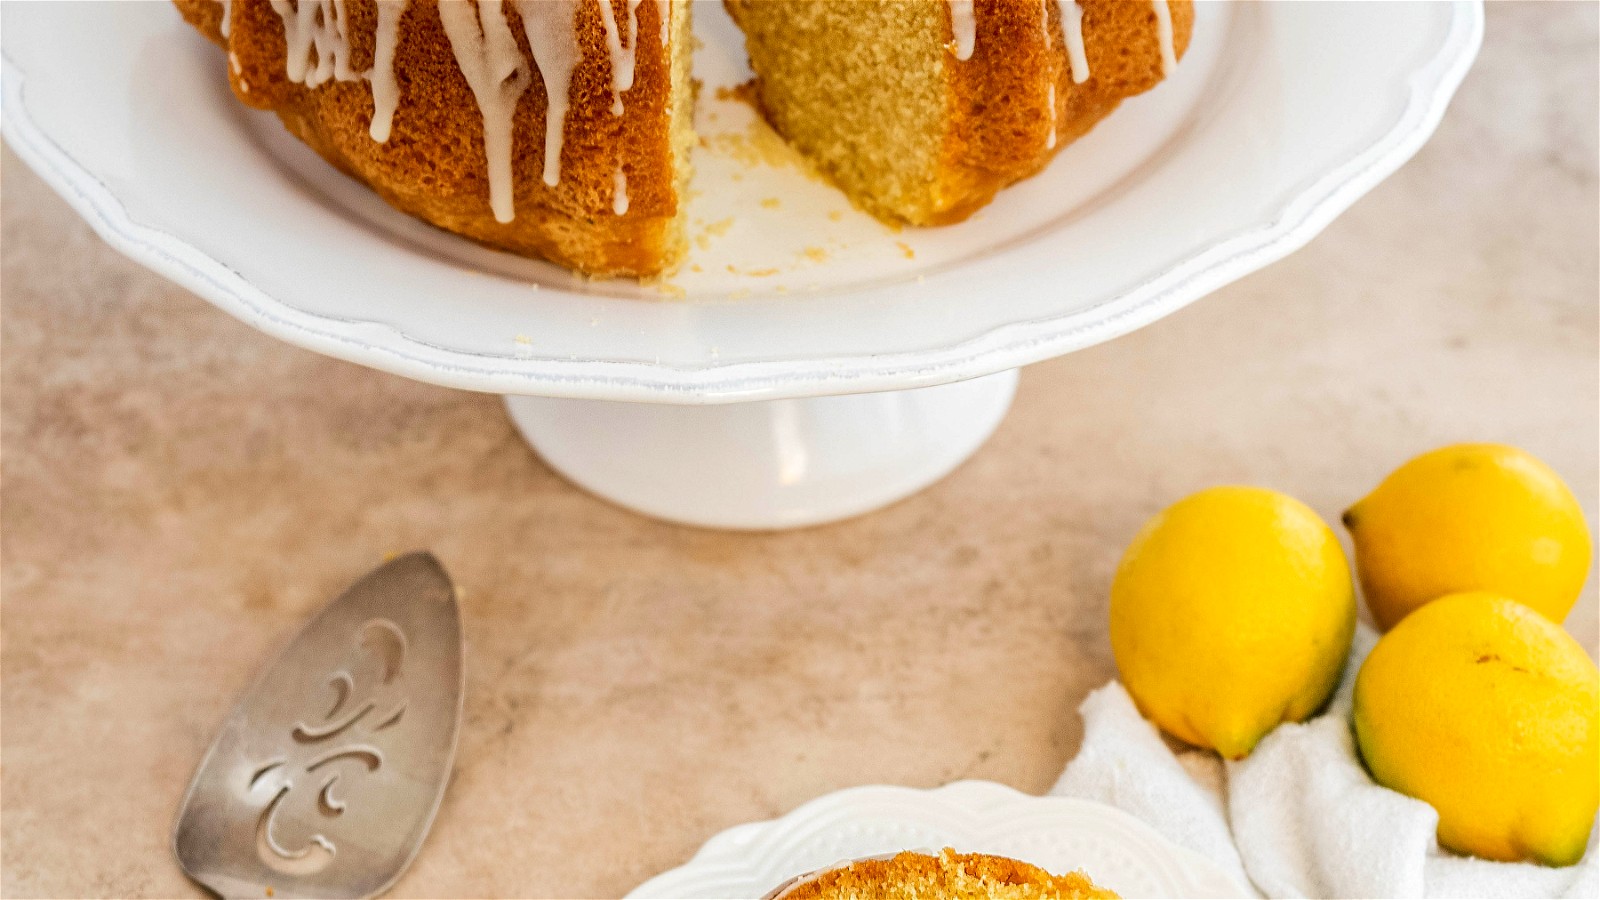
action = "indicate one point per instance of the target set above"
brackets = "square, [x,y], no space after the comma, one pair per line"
[180,491]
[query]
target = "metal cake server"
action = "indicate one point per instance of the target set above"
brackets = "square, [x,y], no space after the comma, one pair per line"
[328,773]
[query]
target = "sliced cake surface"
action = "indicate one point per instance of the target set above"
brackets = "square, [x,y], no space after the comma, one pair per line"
[551,128]
[562,128]
[920,110]
[948,876]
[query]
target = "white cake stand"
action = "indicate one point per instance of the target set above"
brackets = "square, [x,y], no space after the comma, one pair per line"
[808,364]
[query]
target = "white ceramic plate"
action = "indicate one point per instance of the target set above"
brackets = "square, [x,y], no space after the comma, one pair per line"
[1055,833]
[1280,117]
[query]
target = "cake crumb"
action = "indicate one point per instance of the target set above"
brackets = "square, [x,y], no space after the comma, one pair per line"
[815,254]
[714,229]
[743,92]
[759,145]
[771,203]
[905,248]
[836,215]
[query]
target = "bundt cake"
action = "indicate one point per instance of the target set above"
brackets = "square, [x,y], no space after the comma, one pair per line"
[550,128]
[921,111]
[561,129]
[948,876]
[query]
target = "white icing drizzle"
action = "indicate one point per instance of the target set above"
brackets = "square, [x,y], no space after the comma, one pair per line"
[623,55]
[1050,106]
[1050,142]
[318,35]
[489,58]
[619,199]
[227,17]
[1072,31]
[1077,59]
[1169,56]
[553,37]
[385,87]
[964,26]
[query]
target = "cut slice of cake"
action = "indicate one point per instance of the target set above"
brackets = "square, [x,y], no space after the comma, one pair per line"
[920,110]
[551,128]
[948,876]
[562,128]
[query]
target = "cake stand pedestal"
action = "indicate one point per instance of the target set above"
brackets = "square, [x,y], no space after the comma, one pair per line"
[765,464]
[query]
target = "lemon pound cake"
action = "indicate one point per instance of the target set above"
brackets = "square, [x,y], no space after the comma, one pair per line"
[952,875]
[550,128]
[920,110]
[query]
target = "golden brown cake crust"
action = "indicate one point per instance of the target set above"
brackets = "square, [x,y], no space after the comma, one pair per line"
[999,115]
[1000,97]
[433,165]
[968,876]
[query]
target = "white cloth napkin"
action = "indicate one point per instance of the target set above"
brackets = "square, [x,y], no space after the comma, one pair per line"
[1299,817]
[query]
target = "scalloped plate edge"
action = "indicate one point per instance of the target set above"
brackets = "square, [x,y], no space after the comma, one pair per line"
[1290,227]
[974,812]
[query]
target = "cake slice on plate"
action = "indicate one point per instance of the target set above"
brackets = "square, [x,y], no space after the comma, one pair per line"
[948,876]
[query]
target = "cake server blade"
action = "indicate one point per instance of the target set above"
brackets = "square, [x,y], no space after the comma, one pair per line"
[328,772]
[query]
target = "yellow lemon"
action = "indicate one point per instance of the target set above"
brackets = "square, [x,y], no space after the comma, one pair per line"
[1470,517]
[1232,611]
[1490,713]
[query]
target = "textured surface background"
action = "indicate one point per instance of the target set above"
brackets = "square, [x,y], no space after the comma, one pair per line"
[180,491]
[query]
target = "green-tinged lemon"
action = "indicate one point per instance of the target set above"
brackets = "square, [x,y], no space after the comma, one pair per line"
[1489,712]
